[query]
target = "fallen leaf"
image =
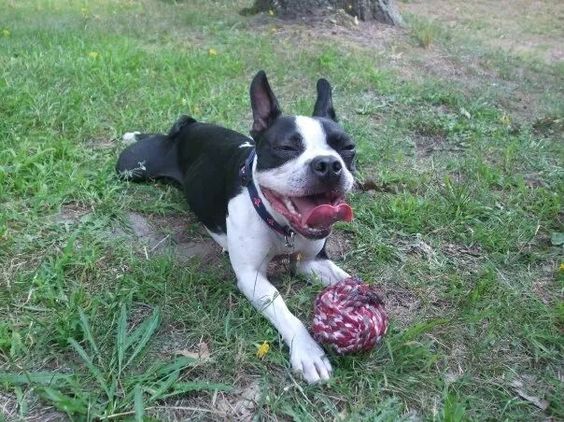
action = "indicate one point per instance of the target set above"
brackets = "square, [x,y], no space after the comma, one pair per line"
[203,352]
[538,402]
[241,405]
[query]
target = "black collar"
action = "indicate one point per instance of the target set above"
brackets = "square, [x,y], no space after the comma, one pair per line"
[246,175]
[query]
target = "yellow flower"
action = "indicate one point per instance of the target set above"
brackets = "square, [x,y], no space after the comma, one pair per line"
[93,54]
[263,349]
[212,52]
[271,12]
[5,32]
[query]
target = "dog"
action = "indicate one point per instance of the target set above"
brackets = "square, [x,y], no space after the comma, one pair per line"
[277,192]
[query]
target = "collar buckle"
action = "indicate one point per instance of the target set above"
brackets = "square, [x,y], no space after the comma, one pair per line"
[289,239]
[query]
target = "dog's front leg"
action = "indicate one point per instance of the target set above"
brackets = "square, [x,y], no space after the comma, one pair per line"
[306,356]
[249,264]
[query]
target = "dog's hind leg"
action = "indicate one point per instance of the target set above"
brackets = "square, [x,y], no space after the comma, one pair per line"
[152,156]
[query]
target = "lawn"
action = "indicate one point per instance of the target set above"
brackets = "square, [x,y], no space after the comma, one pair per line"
[115,305]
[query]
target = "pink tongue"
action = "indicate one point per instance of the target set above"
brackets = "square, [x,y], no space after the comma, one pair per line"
[326,214]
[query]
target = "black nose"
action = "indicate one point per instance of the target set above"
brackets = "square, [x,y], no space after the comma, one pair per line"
[326,167]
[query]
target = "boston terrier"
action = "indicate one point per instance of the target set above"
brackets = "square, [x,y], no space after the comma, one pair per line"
[276,193]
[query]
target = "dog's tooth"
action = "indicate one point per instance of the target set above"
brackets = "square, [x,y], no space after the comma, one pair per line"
[290,206]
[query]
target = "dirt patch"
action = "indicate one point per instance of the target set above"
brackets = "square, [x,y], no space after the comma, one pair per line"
[153,235]
[337,25]
[534,180]
[70,213]
[339,245]
[36,412]
[517,26]
[238,405]
[400,304]
[470,69]
[468,258]
[174,338]
[415,246]
[544,285]
[241,404]
[138,313]
[101,143]
[427,145]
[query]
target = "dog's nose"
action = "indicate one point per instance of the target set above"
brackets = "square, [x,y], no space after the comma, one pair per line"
[326,167]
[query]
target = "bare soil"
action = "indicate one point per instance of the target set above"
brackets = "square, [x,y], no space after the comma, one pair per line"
[517,26]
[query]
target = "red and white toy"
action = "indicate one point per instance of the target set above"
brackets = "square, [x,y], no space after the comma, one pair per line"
[349,316]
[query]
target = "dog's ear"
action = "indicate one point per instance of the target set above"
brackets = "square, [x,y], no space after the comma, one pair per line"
[263,102]
[324,104]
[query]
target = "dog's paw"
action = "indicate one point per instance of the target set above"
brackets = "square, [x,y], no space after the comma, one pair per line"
[309,359]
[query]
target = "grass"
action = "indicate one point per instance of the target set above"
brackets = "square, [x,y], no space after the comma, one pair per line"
[423,32]
[460,227]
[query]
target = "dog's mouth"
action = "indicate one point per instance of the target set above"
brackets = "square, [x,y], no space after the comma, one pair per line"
[313,215]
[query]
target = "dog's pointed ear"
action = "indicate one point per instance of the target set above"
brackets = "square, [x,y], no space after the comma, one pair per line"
[324,104]
[263,102]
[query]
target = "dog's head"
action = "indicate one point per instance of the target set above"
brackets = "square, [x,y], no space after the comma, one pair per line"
[304,164]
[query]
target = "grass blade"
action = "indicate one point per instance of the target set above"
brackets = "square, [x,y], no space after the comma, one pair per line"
[146,331]
[85,324]
[121,337]
[64,402]
[90,365]
[164,386]
[41,378]
[138,403]
[178,364]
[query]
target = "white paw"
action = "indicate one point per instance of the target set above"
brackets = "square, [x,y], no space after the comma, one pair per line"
[308,359]
[130,138]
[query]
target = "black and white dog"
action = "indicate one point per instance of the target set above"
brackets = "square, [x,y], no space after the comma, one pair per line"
[276,193]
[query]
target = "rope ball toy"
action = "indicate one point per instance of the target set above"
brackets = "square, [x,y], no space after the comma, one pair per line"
[349,316]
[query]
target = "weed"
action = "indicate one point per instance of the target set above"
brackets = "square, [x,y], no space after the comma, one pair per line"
[125,391]
[424,32]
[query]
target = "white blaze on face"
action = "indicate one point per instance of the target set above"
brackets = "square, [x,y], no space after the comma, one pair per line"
[291,179]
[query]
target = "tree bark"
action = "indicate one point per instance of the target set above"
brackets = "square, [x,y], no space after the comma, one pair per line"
[384,11]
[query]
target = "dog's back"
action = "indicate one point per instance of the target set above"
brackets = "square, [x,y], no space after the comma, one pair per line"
[203,159]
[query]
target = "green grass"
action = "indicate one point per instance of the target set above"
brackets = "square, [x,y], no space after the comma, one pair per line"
[91,323]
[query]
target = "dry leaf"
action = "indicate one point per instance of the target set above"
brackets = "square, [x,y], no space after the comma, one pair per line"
[202,353]
[538,402]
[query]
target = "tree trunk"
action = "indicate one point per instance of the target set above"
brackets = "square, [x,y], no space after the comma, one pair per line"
[380,10]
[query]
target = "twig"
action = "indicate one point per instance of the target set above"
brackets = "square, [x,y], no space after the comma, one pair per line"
[159,242]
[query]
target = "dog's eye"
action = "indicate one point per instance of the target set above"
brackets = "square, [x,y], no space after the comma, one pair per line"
[290,148]
[348,147]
